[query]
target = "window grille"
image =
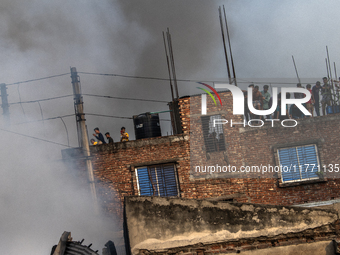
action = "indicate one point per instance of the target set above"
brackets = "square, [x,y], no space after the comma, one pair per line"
[299,163]
[213,136]
[157,180]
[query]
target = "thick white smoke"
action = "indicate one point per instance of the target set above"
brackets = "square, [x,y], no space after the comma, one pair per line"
[39,197]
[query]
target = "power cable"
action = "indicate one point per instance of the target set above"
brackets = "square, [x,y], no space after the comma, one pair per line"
[110,116]
[36,138]
[117,117]
[21,102]
[38,79]
[39,100]
[182,80]
[41,111]
[52,118]
[125,98]
[89,114]
[141,77]
[68,140]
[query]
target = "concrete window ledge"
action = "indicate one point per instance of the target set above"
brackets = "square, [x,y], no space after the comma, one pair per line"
[299,183]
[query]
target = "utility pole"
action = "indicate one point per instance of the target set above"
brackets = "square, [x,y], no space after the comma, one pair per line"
[297,74]
[4,105]
[82,132]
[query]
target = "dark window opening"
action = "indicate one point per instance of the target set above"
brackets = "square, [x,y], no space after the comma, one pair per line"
[213,134]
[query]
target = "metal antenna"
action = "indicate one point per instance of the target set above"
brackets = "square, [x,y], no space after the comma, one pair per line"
[296,69]
[172,61]
[338,82]
[336,76]
[327,68]
[231,55]
[169,71]
[329,64]
[224,44]
[330,73]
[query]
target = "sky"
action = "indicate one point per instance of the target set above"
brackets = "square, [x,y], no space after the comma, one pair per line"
[41,38]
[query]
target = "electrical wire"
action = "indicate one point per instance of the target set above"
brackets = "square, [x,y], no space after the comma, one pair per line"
[38,79]
[68,139]
[117,117]
[267,82]
[92,95]
[89,114]
[42,115]
[125,98]
[109,116]
[39,100]
[182,80]
[142,77]
[52,118]
[33,137]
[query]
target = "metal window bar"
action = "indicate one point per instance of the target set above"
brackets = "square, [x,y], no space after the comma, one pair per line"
[213,136]
[145,185]
[136,172]
[297,153]
[288,159]
[163,177]
[308,157]
[302,162]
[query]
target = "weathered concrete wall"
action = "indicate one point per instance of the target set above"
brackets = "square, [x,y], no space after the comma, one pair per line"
[319,248]
[158,224]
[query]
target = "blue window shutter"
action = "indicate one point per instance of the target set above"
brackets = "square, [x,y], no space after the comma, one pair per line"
[288,158]
[145,186]
[163,180]
[302,162]
[307,155]
[170,180]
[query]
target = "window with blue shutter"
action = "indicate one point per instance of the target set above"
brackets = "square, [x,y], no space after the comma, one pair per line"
[299,163]
[157,180]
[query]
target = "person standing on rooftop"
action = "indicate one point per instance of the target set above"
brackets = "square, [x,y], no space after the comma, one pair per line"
[316,89]
[124,136]
[99,135]
[109,138]
[266,98]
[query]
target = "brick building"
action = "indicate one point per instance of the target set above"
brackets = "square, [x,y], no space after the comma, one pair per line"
[118,166]
[195,164]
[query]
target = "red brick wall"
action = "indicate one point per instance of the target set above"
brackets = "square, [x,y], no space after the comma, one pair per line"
[255,146]
[114,165]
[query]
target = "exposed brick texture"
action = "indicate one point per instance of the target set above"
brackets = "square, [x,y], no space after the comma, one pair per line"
[114,164]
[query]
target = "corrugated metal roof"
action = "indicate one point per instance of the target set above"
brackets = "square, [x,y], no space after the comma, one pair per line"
[68,247]
[75,248]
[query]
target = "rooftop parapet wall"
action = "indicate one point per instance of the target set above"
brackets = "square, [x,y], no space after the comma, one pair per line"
[158,224]
[134,144]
